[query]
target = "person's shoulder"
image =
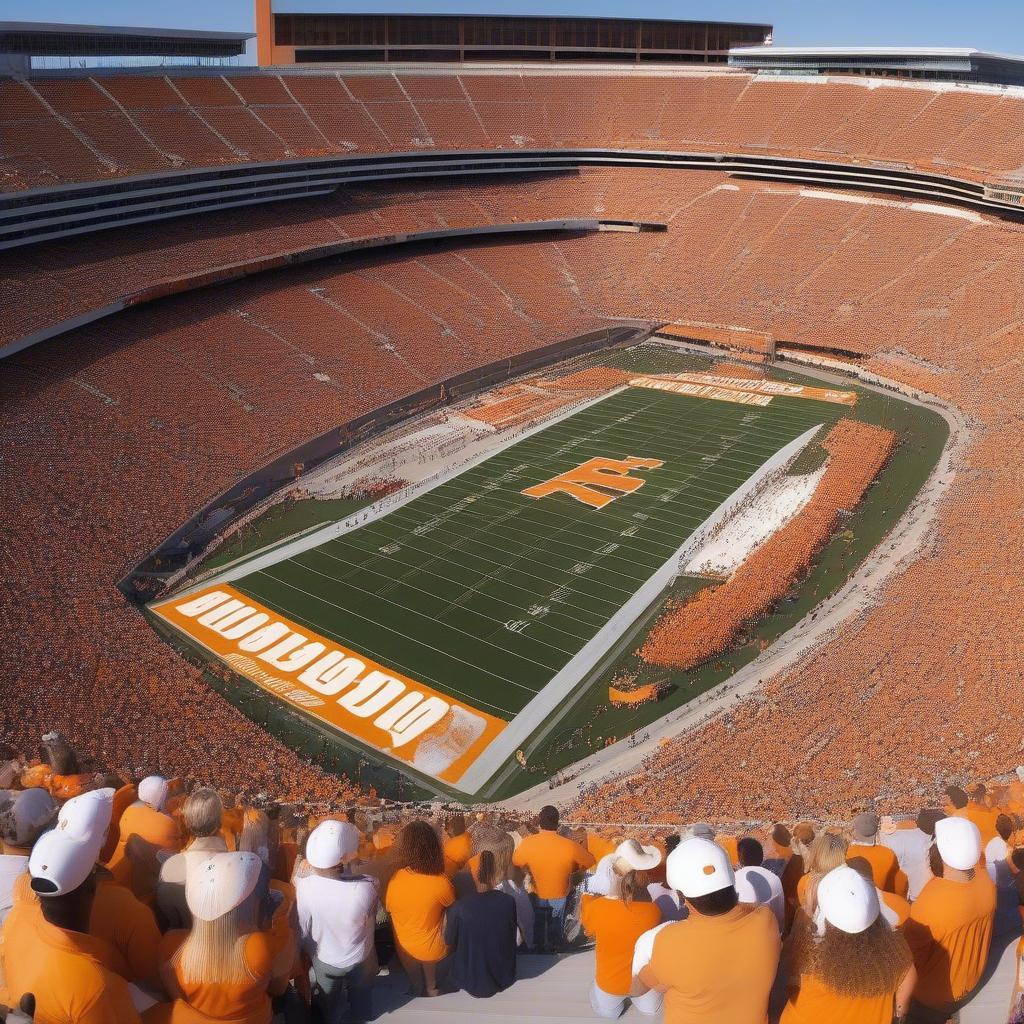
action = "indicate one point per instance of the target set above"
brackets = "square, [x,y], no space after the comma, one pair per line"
[258,953]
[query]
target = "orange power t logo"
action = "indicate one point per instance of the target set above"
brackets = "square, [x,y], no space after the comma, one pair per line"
[610,474]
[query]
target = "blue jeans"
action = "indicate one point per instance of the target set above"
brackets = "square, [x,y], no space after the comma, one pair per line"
[549,923]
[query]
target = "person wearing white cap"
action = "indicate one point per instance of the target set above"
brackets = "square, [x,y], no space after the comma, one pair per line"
[222,968]
[337,913]
[718,964]
[857,970]
[950,925]
[616,920]
[24,816]
[47,949]
[147,836]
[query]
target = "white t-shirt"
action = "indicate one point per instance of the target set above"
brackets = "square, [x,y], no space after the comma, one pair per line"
[644,948]
[911,848]
[337,917]
[763,887]
[12,866]
[995,861]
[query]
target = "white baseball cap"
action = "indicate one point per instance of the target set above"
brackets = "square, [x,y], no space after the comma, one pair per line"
[848,900]
[64,857]
[637,856]
[697,867]
[153,791]
[331,843]
[25,815]
[217,885]
[87,817]
[959,843]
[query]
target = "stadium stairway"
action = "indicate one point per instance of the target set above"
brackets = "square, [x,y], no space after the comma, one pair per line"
[555,990]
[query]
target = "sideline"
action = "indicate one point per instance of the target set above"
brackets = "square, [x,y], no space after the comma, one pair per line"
[894,552]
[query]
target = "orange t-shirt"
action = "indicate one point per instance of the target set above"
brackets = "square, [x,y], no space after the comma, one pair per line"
[65,971]
[551,859]
[718,969]
[815,1003]
[159,830]
[898,905]
[456,852]
[615,928]
[241,1002]
[949,932]
[731,845]
[598,846]
[123,799]
[884,864]
[416,904]
[985,819]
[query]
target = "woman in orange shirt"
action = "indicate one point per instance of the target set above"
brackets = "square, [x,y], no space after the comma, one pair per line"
[616,919]
[854,969]
[221,969]
[417,895]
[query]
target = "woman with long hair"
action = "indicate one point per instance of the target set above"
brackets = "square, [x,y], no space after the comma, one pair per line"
[852,968]
[417,896]
[616,912]
[827,852]
[222,968]
[480,931]
[507,877]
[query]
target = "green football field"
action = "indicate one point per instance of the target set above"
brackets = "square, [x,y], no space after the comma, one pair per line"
[485,593]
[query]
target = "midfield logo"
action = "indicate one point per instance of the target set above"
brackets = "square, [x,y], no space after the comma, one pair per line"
[582,482]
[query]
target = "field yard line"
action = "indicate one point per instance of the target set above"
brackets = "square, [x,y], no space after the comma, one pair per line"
[385,505]
[542,707]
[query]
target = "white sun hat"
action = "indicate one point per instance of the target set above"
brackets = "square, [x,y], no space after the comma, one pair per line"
[848,900]
[25,815]
[637,856]
[697,867]
[217,885]
[331,843]
[153,790]
[959,843]
[604,881]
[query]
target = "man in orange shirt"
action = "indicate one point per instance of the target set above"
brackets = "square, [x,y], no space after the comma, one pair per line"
[978,811]
[50,955]
[950,924]
[459,844]
[145,832]
[551,860]
[717,966]
[884,864]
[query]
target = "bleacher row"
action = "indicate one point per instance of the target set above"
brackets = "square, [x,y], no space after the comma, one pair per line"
[73,129]
[115,434]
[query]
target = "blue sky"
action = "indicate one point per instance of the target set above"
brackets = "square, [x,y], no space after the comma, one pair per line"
[987,24]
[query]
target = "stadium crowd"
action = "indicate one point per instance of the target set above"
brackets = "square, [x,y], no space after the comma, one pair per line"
[163,901]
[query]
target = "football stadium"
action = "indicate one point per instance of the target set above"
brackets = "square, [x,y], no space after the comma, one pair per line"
[504,512]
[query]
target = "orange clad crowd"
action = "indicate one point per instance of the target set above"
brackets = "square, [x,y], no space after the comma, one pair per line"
[706,625]
[160,900]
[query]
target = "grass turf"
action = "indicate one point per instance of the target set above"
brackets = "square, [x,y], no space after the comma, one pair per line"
[485,593]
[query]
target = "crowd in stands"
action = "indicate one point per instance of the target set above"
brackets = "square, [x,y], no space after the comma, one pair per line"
[160,901]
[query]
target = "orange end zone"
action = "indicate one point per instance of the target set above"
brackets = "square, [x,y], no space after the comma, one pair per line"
[390,712]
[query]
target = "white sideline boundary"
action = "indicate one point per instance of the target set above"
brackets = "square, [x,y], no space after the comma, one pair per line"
[563,682]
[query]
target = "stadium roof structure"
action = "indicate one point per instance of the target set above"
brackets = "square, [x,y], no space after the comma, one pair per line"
[22,40]
[942,63]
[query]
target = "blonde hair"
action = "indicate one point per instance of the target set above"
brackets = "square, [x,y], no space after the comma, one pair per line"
[500,845]
[828,851]
[213,952]
[257,836]
[202,813]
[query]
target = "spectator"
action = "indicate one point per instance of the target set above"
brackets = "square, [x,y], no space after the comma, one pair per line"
[795,869]
[884,865]
[856,969]
[417,896]
[337,913]
[911,848]
[50,954]
[24,817]
[202,815]
[509,877]
[222,968]
[755,883]
[458,845]
[480,930]
[616,920]
[997,850]
[950,926]
[552,861]
[667,900]
[978,811]
[827,852]
[779,850]
[146,833]
[895,909]
[718,964]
